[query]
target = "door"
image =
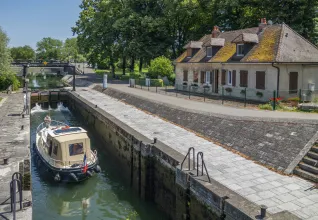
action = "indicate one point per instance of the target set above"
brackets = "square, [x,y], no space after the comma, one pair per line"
[216,81]
[293,82]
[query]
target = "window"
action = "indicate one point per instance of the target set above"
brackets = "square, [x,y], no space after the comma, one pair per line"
[229,77]
[55,149]
[185,75]
[76,149]
[207,77]
[260,80]
[189,52]
[240,49]
[195,77]
[209,51]
[243,78]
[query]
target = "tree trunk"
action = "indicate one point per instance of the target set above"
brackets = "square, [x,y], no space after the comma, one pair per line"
[132,65]
[112,65]
[140,65]
[124,65]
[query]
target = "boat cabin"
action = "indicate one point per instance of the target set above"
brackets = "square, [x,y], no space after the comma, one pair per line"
[67,146]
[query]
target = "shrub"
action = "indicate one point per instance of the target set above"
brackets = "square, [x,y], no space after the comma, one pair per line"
[266,106]
[9,79]
[228,89]
[153,82]
[259,94]
[206,86]
[185,83]
[124,77]
[194,85]
[293,99]
[161,66]
[135,75]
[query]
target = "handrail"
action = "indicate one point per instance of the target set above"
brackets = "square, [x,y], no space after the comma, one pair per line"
[16,181]
[57,124]
[188,155]
[202,165]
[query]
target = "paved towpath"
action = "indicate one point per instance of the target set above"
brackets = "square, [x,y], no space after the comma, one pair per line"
[14,144]
[253,181]
[213,108]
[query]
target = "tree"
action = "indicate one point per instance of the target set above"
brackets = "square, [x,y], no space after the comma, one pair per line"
[161,66]
[7,76]
[70,49]
[49,48]
[22,53]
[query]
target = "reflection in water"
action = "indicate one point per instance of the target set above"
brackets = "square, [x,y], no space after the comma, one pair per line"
[104,196]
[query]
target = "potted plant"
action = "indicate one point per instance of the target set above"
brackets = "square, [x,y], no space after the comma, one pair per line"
[294,101]
[194,86]
[185,85]
[228,89]
[259,94]
[243,92]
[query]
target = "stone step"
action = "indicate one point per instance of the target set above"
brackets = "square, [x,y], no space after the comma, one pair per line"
[306,175]
[310,161]
[312,155]
[315,149]
[308,168]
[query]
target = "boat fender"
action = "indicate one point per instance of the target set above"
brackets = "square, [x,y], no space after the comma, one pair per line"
[97,169]
[89,173]
[57,177]
[74,177]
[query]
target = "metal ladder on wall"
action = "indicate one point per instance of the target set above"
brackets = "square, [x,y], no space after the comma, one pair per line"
[199,156]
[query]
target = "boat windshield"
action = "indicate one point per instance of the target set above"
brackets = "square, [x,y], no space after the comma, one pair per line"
[76,149]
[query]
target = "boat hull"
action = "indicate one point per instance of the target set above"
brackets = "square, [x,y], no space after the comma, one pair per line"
[66,175]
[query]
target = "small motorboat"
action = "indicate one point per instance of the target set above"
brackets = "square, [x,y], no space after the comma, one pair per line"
[65,151]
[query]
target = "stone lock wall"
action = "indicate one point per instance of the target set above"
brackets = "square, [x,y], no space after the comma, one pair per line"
[152,170]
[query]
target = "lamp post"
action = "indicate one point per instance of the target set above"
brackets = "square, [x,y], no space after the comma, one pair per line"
[74,70]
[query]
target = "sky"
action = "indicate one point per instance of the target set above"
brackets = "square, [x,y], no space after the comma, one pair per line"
[28,21]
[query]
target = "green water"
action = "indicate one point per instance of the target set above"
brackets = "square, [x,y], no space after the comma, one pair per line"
[108,194]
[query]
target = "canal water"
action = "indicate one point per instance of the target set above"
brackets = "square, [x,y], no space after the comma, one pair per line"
[105,196]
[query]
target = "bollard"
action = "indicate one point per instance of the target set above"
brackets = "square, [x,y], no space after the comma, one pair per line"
[189,91]
[274,100]
[5,161]
[22,115]
[204,94]
[155,140]
[156,89]
[222,95]
[263,211]
[95,106]
[148,86]
[245,97]
[166,89]
[22,127]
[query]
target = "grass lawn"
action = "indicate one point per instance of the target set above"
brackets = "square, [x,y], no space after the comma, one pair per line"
[0,99]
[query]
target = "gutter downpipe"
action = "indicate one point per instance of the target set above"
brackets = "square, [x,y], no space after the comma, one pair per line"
[278,75]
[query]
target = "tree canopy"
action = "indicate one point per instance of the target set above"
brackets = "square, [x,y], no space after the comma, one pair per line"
[113,30]
[49,48]
[22,53]
[5,57]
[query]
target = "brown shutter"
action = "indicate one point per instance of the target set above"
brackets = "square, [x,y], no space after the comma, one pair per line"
[293,82]
[211,75]
[189,52]
[243,78]
[260,80]
[185,75]
[202,76]
[195,77]
[223,77]
[234,78]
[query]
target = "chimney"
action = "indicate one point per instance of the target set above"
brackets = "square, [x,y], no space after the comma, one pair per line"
[262,25]
[216,32]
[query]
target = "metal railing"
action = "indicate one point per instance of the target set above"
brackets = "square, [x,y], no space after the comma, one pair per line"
[188,156]
[200,154]
[55,162]
[15,183]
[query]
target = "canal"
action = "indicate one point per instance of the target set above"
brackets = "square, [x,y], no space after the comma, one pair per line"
[105,196]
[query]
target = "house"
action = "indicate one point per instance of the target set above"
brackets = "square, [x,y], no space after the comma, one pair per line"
[254,62]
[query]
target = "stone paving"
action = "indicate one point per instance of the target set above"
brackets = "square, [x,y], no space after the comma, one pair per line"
[255,182]
[14,144]
[274,144]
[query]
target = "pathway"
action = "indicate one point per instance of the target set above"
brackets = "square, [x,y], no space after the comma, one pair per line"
[213,108]
[253,181]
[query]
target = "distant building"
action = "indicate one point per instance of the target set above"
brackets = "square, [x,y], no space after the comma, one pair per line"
[261,59]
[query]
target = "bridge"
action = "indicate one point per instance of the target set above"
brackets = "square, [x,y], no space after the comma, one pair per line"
[37,67]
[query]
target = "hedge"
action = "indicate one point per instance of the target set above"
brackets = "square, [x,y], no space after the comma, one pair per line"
[153,82]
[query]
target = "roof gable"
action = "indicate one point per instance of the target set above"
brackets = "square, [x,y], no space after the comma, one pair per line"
[295,48]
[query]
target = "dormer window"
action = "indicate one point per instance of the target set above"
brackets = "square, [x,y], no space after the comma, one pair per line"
[209,51]
[240,49]
[189,52]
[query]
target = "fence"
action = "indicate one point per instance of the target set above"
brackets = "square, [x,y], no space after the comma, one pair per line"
[238,97]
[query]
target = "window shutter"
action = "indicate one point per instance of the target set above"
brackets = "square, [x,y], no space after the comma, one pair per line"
[234,78]
[223,77]
[293,82]
[202,76]
[211,75]
[260,80]
[243,78]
